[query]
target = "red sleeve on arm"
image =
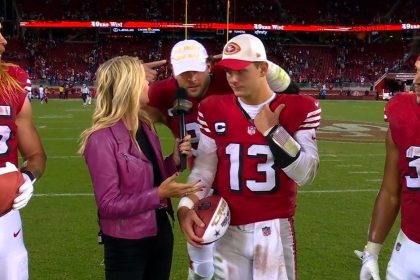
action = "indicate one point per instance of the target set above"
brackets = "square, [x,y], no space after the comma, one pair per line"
[22,78]
[162,95]
[305,110]
[203,117]
[20,75]
[220,83]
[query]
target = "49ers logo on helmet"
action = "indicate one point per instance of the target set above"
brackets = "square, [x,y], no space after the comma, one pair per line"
[231,48]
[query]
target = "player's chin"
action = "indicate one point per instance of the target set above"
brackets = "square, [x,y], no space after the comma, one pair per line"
[239,93]
[194,91]
[418,97]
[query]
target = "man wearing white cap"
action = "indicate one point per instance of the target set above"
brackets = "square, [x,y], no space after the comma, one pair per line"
[193,72]
[255,148]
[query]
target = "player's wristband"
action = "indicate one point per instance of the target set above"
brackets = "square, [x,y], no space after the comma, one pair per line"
[186,202]
[29,173]
[284,148]
[373,248]
[285,141]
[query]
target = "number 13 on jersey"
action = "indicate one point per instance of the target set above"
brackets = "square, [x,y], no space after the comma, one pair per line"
[266,168]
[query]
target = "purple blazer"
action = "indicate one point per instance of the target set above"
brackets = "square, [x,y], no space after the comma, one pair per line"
[122,181]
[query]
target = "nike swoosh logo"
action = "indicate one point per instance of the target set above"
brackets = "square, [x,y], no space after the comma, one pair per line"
[16,233]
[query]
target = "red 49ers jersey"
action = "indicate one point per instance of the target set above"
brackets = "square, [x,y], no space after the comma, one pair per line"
[162,96]
[403,115]
[246,177]
[10,105]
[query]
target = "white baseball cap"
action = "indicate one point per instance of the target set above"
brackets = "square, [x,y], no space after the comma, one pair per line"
[241,51]
[188,55]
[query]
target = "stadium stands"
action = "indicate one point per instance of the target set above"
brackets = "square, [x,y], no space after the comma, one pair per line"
[73,56]
[77,61]
[271,11]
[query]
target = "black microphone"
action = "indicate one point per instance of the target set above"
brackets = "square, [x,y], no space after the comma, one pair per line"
[181,107]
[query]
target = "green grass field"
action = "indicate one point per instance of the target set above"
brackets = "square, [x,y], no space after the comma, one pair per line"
[332,218]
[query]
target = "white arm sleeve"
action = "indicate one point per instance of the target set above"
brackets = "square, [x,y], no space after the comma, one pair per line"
[304,168]
[277,78]
[205,164]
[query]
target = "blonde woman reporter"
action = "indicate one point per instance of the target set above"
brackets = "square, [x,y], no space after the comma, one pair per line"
[132,182]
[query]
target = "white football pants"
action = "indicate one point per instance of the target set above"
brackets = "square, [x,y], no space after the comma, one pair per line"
[405,260]
[13,254]
[259,251]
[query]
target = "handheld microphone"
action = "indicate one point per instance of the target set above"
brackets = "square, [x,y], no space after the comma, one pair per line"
[181,107]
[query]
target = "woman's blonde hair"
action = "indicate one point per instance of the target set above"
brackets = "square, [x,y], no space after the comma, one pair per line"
[119,84]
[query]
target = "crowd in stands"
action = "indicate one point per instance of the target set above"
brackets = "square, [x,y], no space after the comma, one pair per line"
[58,62]
[350,12]
[347,61]
[73,58]
[269,11]
[344,61]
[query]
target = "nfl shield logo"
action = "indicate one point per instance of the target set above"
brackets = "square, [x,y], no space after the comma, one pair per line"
[251,130]
[266,231]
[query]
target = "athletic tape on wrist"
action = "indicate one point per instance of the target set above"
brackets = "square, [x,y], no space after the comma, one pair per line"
[267,131]
[373,248]
[186,202]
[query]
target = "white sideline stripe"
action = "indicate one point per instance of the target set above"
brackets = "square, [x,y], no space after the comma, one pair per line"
[56,117]
[363,172]
[315,191]
[340,191]
[59,128]
[352,142]
[349,165]
[351,155]
[77,110]
[63,194]
[70,100]
[65,157]
[336,160]
[73,121]
[59,139]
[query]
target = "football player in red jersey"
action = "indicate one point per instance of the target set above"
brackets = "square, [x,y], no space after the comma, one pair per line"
[400,190]
[255,148]
[194,72]
[17,133]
